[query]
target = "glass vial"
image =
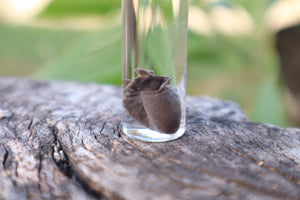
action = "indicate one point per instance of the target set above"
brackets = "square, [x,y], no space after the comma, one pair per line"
[154,69]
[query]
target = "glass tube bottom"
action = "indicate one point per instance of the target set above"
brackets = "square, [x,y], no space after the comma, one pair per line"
[147,135]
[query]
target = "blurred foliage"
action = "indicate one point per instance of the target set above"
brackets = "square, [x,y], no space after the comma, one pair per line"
[239,68]
[26,49]
[63,8]
[95,57]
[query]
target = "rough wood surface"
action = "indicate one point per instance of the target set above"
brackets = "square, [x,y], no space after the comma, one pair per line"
[63,140]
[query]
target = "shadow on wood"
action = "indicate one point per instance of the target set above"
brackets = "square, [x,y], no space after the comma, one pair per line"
[62,140]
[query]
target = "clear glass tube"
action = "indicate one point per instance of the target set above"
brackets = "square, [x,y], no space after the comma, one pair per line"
[154,69]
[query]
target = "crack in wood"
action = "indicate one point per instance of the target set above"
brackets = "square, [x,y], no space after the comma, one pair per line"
[102,128]
[61,160]
[30,123]
[16,169]
[84,184]
[39,167]
[5,157]
[118,129]
[58,155]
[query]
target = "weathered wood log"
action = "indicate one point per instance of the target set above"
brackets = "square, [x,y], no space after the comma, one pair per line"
[62,140]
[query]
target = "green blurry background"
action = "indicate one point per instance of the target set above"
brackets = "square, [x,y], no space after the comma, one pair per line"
[231,51]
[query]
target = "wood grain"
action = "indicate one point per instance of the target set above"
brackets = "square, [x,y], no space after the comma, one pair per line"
[61,140]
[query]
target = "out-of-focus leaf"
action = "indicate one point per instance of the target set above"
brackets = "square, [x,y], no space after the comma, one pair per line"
[62,8]
[93,58]
[25,49]
[221,52]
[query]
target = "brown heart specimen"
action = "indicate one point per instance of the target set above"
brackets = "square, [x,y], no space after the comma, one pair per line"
[152,101]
